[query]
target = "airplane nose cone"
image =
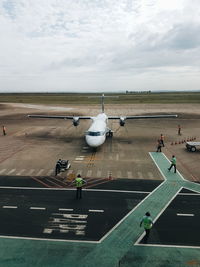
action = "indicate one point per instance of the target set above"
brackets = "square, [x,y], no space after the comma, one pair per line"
[93,142]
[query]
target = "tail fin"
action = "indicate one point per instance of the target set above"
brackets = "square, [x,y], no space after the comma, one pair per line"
[102,103]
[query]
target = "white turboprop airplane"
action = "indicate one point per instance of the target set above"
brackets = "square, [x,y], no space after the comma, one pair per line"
[96,134]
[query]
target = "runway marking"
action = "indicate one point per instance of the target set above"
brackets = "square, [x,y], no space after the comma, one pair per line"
[37,208]
[184,214]
[9,207]
[119,174]
[50,172]
[20,172]
[140,175]
[30,172]
[162,210]
[150,174]
[98,173]
[79,159]
[117,156]
[89,173]
[96,210]
[2,171]
[61,209]
[13,170]
[40,172]
[130,175]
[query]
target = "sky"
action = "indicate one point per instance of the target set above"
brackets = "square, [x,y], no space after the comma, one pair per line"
[99,45]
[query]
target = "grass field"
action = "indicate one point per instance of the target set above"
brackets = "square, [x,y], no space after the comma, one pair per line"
[76,98]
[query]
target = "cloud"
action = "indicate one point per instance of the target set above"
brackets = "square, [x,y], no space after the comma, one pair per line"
[80,45]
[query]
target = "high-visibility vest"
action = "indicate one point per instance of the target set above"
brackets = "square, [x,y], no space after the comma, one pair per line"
[79,182]
[147,222]
[173,161]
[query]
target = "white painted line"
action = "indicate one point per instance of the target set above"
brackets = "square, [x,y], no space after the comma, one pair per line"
[79,159]
[117,156]
[130,175]
[50,172]
[30,172]
[130,212]
[140,175]
[2,171]
[190,194]
[89,173]
[21,171]
[40,172]
[13,170]
[96,210]
[9,207]
[119,174]
[37,208]
[85,147]
[168,246]
[49,239]
[150,174]
[182,214]
[159,214]
[98,173]
[65,209]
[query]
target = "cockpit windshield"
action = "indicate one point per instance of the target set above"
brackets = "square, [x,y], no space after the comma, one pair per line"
[94,133]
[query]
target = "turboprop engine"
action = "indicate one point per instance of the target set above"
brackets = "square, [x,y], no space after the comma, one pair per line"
[122,121]
[75,121]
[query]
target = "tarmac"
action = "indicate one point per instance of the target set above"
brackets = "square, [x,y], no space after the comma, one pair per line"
[173,204]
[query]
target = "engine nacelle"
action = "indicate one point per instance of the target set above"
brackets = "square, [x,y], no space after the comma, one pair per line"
[75,121]
[122,121]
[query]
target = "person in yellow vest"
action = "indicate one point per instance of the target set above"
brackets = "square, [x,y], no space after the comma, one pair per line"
[147,222]
[173,163]
[79,183]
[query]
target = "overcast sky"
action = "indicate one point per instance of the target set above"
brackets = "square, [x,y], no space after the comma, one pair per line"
[99,45]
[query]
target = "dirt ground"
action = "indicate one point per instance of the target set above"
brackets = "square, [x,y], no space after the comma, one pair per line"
[32,146]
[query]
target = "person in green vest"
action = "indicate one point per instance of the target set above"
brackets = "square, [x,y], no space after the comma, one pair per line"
[79,182]
[173,163]
[147,222]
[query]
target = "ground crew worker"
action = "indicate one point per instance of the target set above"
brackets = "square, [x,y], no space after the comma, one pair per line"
[4,130]
[173,163]
[162,139]
[179,129]
[58,167]
[147,223]
[79,182]
[159,145]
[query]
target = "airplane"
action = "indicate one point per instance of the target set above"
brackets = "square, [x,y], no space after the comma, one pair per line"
[96,135]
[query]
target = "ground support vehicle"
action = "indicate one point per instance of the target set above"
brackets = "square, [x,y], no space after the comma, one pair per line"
[192,146]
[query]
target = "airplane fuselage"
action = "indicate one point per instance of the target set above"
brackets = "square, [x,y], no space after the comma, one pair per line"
[96,134]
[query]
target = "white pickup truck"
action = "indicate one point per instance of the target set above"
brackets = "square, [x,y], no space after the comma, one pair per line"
[192,146]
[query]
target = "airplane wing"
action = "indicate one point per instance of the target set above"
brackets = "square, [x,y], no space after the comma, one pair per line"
[142,117]
[122,119]
[75,119]
[58,117]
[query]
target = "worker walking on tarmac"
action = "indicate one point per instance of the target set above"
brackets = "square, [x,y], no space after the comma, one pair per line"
[179,129]
[159,145]
[147,223]
[4,130]
[173,163]
[162,139]
[79,182]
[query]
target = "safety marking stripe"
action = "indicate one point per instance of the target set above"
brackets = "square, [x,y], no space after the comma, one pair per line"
[140,176]
[61,209]
[37,208]
[21,171]
[130,175]
[13,170]
[30,172]
[96,210]
[50,172]
[9,207]
[40,172]
[182,214]
[2,171]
